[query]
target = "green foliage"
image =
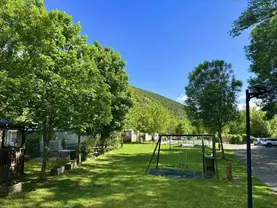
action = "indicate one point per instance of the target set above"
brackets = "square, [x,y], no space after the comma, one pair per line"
[262,49]
[273,127]
[212,92]
[239,138]
[50,77]
[235,139]
[143,97]
[32,146]
[153,118]
[258,125]
[238,125]
[111,67]
[87,148]
[183,127]
[258,11]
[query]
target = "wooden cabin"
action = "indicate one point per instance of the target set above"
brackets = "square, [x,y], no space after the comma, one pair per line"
[11,150]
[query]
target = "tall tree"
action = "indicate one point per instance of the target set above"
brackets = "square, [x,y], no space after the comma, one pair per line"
[212,91]
[92,104]
[152,119]
[44,73]
[258,11]
[259,126]
[261,14]
[111,67]
[183,127]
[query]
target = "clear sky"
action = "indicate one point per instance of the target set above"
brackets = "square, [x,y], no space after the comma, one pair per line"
[163,40]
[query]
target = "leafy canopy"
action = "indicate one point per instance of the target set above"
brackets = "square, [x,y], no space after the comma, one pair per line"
[47,74]
[212,92]
[111,67]
[153,118]
[261,14]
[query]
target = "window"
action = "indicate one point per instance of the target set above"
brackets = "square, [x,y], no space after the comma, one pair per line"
[11,139]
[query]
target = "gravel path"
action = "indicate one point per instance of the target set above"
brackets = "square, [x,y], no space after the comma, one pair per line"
[264,162]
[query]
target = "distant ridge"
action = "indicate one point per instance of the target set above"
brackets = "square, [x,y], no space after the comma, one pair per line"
[144,96]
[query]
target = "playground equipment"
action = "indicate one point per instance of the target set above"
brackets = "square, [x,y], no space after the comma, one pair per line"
[180,147]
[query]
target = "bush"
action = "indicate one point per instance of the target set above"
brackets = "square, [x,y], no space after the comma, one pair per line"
[239,139]
[235,139]
[87,147]
[244,138]
[32,147]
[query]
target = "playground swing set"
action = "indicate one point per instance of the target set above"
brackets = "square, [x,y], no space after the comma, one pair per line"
[180,169]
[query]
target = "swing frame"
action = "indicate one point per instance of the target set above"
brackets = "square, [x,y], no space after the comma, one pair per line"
[204,157]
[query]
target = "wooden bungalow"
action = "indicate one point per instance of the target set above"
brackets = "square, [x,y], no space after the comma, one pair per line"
[12,142]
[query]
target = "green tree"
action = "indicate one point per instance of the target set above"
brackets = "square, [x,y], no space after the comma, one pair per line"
[273,127]
[212,93]
[237,126]
[42,68]
[258,11]
[183,127]
[92,105]
[152,119]
[259,126]
[111,67]
[262,49]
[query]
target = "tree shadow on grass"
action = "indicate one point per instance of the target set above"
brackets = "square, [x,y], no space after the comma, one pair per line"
[117,179]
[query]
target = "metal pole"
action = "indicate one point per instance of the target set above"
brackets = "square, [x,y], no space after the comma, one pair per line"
[203,159]
[249,174]
[151,158]
[159,141]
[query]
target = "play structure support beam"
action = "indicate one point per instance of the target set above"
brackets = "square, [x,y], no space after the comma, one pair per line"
[176,135]
[152,158]
[158,158]
[203,159]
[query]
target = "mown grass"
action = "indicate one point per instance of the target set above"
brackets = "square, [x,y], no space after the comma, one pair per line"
[117,179]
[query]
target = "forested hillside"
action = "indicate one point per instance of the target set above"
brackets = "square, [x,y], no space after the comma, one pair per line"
[144,96]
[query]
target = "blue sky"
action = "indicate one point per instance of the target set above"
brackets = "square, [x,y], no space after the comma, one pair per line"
[163,40]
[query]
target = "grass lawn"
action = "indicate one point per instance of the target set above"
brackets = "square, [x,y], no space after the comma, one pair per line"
[117,179]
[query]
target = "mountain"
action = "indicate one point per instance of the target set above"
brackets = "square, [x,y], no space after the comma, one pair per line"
[144,96]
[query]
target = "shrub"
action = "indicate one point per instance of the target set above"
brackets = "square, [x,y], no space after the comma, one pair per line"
[88,146]
[244,138]
[235,139]
[32,146]
[239,138]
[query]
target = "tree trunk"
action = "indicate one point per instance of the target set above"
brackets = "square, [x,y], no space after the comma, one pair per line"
[121,140]
[221,144]
[2,139]
[79,150]
[45,155]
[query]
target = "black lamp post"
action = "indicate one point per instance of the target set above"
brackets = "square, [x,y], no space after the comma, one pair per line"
[259,90]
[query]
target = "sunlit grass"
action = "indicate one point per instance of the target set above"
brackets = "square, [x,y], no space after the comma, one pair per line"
[117,179]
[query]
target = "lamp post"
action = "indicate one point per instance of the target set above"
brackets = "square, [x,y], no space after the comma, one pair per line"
[259,90]
[249,174]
